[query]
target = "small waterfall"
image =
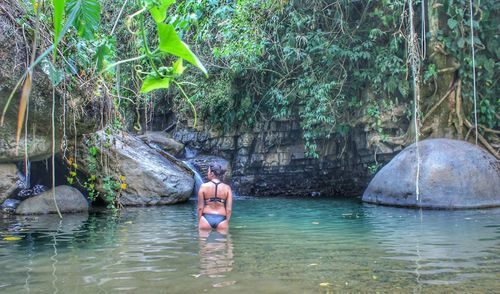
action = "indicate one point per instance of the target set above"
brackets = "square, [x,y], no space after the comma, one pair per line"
[198,179]
[24,175]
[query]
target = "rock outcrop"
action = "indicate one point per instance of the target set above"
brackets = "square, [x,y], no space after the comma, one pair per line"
[12,68]
[37,142]
[162,140]
[151,179]
[453,175]
[8,179]
[68,200]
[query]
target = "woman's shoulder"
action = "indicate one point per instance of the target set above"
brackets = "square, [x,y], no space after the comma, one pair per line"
[206,184]
[226,186]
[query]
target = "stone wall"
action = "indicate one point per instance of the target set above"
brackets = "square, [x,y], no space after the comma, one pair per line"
[270,160]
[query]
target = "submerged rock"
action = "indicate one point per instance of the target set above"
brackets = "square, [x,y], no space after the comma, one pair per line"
[453,174]
[8,180]
[68,199]
[151,179]
[10,205]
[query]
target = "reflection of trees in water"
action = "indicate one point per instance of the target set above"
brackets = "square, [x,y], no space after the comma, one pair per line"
[216,254]
[95,229]
[438,247]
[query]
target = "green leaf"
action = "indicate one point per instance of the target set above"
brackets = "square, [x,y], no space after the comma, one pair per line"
[93,151]
[178,67]
[153,83]
[55,75]
[489,65]
[461,43]
[159,12]
[88,16]
[452,23]
[171,43]
[58,17]
[105,52]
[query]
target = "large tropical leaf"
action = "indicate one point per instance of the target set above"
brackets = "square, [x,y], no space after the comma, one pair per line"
[58,18]
[171,43]
[159,12]
[88,16]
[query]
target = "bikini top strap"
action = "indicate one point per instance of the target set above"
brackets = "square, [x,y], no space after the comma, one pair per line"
[215,198]
[216,185]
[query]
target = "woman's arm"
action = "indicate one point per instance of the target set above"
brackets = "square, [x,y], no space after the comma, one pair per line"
[201,202]
[229,204]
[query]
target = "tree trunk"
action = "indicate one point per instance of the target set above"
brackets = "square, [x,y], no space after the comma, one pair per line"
[441,102]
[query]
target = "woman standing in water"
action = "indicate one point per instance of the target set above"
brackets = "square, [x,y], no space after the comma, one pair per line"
[215,201]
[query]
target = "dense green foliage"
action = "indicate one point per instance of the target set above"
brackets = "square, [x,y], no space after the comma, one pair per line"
[327,63]
[457,42]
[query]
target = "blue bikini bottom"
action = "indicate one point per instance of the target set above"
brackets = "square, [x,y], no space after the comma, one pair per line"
[214,219]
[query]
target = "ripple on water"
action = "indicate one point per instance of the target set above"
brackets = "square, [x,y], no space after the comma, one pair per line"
[276,245]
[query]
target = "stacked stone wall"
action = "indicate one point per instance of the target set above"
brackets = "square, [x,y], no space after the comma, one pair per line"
[270,159]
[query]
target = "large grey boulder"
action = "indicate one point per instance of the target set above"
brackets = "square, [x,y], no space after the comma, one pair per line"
[453,174]
[151,178]
[8,178]
[68,199]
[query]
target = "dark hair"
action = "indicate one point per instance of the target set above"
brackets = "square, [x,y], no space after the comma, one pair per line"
[217,169]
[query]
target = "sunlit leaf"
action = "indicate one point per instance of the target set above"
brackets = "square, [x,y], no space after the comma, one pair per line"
[171,43]
[179,67]
[153,83]
[159,12]
[58,17]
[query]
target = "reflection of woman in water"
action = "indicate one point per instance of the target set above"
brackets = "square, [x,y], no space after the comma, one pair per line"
[215,201]
[216,255]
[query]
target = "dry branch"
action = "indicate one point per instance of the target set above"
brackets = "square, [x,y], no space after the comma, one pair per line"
[483,141]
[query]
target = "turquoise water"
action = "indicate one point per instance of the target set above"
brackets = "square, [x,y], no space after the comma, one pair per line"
[275,245]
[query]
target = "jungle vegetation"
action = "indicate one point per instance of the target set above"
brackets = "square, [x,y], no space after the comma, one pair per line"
[399,68]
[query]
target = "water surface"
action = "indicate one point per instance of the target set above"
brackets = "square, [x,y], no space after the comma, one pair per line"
[275,245]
